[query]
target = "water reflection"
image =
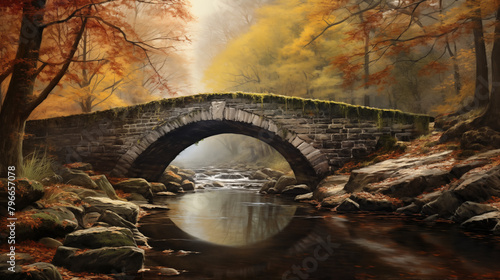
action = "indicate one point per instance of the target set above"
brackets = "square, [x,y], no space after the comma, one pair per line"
[230,217]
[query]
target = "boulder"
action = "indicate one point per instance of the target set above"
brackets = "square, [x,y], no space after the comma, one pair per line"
[90,219]
[21,258]
[77,178]
[445,205]
[126,210]
[283,182]
[97,237]
[484,222]
[166,194]
[372,204]
[170,177]
[84,193]
[104,185]
[50,222]
[470,209]
[332,201]
[479,186]
[173,168]
[306,196]
[360,178]
[187,185]
[218,184]
[259,175]
[102,260]
[267,185]
[271,173]
[411,209]
[484,136]
[137,198]
[114,219]
[186,174]
[158,187]
[50,242]
[174,187]
[348,206]
[135,185]
[330,186]
[35,271]
[295,190]
[26,192]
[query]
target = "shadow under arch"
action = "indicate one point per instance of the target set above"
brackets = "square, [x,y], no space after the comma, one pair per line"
[154,151]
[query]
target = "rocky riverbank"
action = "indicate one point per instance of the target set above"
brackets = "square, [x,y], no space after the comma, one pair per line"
[81,224]
[431,180]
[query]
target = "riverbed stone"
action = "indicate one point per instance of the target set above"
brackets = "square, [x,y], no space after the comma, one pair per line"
[218,184]
[174,187]
[187,185]
[445,205]
[348,206]
[126,210]
[410,209]
[332,201]
[114,219]
[50,242]
[479,186]
[306,196]
[170,177]
[35,271]
[101,260]
[77,178]
[283,182]
[330,186]
[158,187]
[27,192]
[104,185]
[372,204]
[267,185]
[52,222]
[97,237]
[483,222]
[470,209]
[271,173]
[135,185]
[259,175]
[295,190]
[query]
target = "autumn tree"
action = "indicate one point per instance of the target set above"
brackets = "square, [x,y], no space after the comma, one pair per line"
[40,62]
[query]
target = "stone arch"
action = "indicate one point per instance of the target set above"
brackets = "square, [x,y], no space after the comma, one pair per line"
[154,151]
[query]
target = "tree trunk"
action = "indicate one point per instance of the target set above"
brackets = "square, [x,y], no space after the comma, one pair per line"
[20,91]
[491,117]
[481,92]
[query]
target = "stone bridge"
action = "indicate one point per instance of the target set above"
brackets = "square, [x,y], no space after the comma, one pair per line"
[315,137]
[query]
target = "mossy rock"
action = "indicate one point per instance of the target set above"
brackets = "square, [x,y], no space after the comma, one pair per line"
[97,237]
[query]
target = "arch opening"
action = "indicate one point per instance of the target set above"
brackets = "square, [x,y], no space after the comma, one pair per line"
[153,160]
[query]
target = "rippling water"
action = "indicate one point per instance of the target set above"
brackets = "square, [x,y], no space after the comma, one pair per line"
[236,233]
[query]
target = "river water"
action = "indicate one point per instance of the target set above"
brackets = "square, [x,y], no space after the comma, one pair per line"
[236,233]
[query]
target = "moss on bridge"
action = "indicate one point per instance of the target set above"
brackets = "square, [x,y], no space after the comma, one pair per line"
[311,107]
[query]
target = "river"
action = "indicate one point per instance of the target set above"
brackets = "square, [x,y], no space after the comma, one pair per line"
[236,233]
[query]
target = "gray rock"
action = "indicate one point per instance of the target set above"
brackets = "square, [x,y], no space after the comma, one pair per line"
[174,187]
[259,175]
[410,209]
[50,242]
[102,260]
[137,198]
[306,196]
[27,192]
[84,193]
[460,169]
[283,182]
[332,201]
[104,185]
[484,222]
[445,205]
[170,177]
[271,173]
[114,219]
[218,184]
[360,178]
[267,185]
[158,187]
[479,186]
[187,185]
[36,271]
[52,180]
[53,222]
[295,190]
[372,204]
[89,219]
[20,258]
[126,210]
[135,185]
[186,174]
[348,206]
[97,237]
[166,194]
[167,271]
[470,209]
[78,178]
[330,186]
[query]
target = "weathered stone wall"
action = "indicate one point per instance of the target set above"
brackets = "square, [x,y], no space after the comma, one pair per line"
[315,136]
